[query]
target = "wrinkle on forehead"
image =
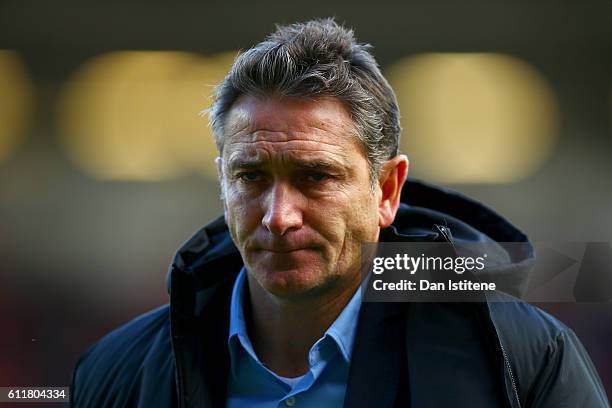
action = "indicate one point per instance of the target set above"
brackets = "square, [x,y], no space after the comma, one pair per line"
[267,137]
[294,151]
[288,147]
[325,120]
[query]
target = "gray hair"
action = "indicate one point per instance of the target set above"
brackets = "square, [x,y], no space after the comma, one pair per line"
[318,58]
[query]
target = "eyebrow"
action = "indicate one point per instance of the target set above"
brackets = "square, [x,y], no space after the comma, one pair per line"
[316,164]
[244,163]
[254,163]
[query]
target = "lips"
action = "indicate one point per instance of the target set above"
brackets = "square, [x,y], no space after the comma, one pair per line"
[283,247]
[293,242]
[283,251]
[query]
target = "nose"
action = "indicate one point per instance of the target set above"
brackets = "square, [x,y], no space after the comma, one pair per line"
[282,212]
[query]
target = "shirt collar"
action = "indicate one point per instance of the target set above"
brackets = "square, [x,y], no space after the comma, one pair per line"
[342,330]
[237,325]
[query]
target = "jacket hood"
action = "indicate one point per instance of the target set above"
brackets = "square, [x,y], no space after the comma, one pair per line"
[426,213]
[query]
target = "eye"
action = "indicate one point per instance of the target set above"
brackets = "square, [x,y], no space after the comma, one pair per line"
[250,176]
[317,177]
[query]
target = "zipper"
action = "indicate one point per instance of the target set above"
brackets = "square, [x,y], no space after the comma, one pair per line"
[512,399]
[445,232]
[510,372]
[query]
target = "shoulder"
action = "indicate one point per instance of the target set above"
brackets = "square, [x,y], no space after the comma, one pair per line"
[527,334]
[547,358]
[137,352]
[522,324]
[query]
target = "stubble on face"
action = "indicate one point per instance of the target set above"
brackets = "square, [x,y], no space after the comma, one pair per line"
[297,193]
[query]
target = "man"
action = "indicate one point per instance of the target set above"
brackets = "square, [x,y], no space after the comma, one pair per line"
[264,307]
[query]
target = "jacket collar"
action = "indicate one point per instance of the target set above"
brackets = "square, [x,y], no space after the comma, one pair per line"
[204,269]
[200,313]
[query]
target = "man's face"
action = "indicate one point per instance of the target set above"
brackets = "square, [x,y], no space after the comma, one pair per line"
[297,193]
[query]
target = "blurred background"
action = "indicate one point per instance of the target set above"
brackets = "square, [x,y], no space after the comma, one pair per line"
[106,163]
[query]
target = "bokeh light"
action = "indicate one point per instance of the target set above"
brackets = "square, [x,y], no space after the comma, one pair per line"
[192,92]
[474,117]
[16,98]
[135,115]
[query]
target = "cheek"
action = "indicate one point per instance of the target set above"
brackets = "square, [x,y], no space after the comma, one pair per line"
[349,219]
[363,218]
[242,215]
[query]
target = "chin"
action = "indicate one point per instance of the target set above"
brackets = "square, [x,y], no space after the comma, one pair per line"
[290,282]
[289,274]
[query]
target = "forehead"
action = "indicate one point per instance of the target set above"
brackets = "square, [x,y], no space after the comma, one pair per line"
[299,126]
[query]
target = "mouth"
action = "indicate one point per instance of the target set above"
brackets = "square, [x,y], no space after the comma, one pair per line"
[283,251]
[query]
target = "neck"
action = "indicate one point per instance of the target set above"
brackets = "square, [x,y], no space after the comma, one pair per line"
[282,331]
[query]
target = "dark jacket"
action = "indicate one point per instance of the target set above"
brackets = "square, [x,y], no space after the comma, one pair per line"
[506,354]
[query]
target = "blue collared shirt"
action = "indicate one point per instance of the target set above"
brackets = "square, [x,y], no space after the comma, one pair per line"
[253,385]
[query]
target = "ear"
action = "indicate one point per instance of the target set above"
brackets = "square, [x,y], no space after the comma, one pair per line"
[391,179]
